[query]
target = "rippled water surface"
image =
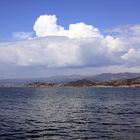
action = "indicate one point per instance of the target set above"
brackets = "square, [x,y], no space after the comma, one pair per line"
[70,114]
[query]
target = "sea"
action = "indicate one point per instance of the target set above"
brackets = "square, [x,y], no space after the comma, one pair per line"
[87,113]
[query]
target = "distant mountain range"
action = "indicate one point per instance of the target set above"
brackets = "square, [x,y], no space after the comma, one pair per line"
[113,76]
[53,79]
[103,76]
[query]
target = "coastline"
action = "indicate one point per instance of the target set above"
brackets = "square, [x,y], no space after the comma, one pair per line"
[124,83]
[97,86]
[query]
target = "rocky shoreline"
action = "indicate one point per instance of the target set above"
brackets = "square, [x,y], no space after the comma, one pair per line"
[131,82]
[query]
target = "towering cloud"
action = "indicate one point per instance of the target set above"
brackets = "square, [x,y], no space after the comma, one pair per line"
[81,45]
[46,25]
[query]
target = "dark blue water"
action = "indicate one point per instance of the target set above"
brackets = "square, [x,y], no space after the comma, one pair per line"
[70,114]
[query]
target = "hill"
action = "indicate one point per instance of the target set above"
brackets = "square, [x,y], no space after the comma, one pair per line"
[131,82]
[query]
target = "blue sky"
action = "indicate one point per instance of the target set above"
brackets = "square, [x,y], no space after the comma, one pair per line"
[41,38]
[20,15]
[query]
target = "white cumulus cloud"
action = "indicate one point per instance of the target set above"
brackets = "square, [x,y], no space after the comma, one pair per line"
[81,45]
[46,25]
[132,57]
[61,52]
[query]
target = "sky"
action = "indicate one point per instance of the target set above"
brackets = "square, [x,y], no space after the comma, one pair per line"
[43,38]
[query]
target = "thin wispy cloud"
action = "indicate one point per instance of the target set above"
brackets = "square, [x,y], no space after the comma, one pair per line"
[22,35]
